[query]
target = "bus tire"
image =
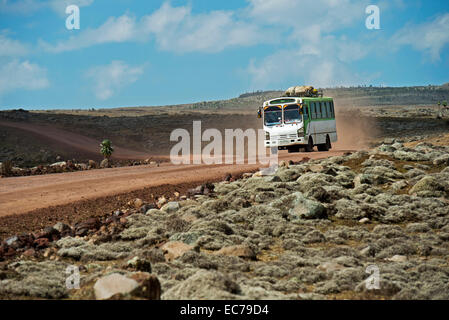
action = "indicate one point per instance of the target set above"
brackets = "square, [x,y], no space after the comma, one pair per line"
[325,146]
[309,146]
[328,142]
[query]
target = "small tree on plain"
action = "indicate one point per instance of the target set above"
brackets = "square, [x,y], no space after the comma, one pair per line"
[106,148]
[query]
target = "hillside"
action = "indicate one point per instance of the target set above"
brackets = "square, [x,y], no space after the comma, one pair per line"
[27,141]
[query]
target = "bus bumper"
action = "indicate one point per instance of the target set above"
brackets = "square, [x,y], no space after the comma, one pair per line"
[285,142]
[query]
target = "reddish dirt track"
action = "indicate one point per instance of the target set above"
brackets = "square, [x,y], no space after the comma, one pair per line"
[23,194]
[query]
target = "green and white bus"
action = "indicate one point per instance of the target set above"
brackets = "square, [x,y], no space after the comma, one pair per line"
[293,123]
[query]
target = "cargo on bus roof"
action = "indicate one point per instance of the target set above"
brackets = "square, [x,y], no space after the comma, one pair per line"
[302,91]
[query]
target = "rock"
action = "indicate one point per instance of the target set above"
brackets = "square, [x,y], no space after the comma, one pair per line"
[12,240]
[399,185]
[82,228]
[49,233]
[414,173]
[139,264]
[175,249]
[29,253]
[105,163]
[171,207]
[444,159]
[62,228]
[307,208]
[6,251]
[320,194]
[146,207]
[313,237]
[386,148]
[138,203]
[59,164]
[149,286]
[41,243]
[204,189]
[92,164]
[283,164]
[21,241]
[204,285]
[81,166]
[427,183]
[116,285]
[286,175]
[347,209]
[330,266]
[161,201]
[186,237]
[242,251]
[410,156]
[153,211]
[397,258]
[417,227]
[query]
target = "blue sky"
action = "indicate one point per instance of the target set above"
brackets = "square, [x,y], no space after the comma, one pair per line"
[140,53]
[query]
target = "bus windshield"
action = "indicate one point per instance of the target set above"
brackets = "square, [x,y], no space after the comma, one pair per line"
[292,114]
[273,117]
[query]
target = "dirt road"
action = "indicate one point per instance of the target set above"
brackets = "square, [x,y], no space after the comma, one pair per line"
[23,194]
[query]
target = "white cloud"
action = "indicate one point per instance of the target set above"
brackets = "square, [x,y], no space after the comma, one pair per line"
[430,37]
[11,47]
[300,66]
[307,18]
[175,29]
[119,29]
[316,57]
[109,79]
[18,74]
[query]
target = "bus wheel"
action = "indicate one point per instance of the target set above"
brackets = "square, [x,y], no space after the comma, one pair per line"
[328,142]
[309,146]
[325,146]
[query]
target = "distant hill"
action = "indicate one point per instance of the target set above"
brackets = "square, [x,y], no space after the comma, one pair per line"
[344,96]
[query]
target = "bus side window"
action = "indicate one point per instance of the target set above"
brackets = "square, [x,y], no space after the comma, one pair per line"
[329,110]
[305,110]
[325,113]
[318,110]
[313,110]
[332,109]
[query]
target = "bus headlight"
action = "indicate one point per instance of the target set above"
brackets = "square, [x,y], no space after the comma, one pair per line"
[300,133]
[267,135]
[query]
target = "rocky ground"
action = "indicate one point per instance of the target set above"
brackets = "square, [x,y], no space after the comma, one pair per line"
[8,170]
[308,232]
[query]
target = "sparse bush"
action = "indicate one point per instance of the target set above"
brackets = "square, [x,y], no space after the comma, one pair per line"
[106,148]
